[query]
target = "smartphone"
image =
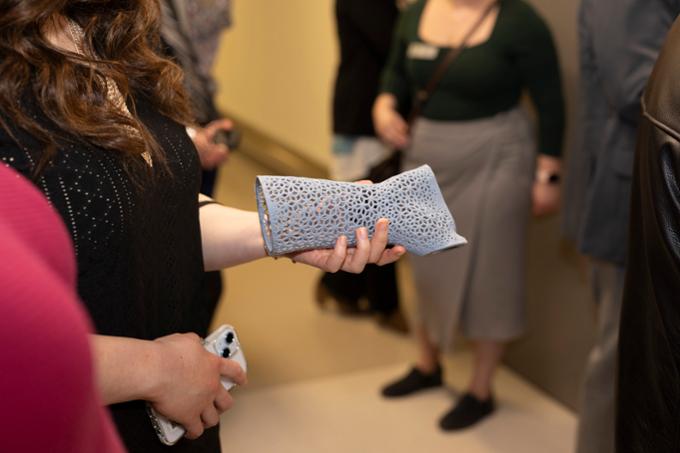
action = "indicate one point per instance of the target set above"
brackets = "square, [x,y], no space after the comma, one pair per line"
[231,138]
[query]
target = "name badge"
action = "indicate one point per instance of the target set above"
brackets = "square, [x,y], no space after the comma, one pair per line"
[421,51]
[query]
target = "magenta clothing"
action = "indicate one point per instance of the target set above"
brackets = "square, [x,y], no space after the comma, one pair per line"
[47,393]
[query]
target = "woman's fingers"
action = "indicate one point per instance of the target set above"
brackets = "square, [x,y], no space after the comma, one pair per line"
[223,401]
[391,255]
[396,138]
[210,417]
[336,259]
[354,259]
[391,126]
[399,130]
[373,250]
[194,429]
[233,371]
[379,240]
[358,259]
[545,199]
[400,125]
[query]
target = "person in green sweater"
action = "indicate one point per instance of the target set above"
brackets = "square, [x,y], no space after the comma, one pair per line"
[493,166]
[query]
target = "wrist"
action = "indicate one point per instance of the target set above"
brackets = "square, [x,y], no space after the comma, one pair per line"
[254,245]
[258,239]
[386,102]
[156,371]
[127,369]
[550,177]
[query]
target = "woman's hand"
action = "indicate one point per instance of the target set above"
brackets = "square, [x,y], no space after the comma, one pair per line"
[210,153]
[175,374]
[189,391]
[545,194]
[354,259]
[389,124]
[546,199]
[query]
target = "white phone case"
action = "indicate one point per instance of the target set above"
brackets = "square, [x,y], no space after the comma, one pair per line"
[222,342]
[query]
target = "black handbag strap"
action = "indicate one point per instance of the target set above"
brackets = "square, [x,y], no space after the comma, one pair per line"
[422,96]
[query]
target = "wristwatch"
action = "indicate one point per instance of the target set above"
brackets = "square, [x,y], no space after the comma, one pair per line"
[548,177]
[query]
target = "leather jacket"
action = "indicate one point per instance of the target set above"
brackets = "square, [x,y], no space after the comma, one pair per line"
[648,416]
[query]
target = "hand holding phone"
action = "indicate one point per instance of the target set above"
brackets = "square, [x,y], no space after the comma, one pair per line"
[222,342]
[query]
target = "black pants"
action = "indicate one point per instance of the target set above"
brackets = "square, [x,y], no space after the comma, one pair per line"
[378,284]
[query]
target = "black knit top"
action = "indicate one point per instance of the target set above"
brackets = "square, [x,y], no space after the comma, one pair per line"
[138,245]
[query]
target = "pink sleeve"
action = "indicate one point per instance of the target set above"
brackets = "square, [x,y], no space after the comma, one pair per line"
[47,383]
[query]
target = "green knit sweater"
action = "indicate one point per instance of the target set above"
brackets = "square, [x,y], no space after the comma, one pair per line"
[486,79]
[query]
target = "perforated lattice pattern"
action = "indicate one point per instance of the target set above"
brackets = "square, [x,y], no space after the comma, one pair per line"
[302,213]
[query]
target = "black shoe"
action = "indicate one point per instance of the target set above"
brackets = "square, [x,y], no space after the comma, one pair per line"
[413,382]
[467,412]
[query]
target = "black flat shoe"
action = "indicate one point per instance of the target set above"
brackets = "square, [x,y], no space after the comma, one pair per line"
[467,412]
[413,382]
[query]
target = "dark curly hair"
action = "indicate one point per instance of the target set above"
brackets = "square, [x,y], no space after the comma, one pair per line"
[121,38]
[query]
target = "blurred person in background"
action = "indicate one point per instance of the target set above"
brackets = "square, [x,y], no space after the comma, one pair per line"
[50,400]
[619,44]
[365,30]
[190,32]
[482,148]
[97,120]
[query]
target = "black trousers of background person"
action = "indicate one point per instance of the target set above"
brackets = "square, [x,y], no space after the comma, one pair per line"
[378,284]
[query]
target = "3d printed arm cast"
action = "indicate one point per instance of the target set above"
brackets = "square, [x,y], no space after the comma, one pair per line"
[303,213]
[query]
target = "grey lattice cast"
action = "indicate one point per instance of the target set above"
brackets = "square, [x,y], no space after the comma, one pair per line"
[303,213]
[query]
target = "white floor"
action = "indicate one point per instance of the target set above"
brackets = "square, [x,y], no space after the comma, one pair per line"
[346,414]
[315,376]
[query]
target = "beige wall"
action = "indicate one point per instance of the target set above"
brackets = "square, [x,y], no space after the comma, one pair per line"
[560,330]
[276,69]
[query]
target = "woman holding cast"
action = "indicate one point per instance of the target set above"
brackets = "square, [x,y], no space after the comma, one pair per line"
[92,114]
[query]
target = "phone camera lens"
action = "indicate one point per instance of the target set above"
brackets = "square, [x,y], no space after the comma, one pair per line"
[226,353]
[230,338]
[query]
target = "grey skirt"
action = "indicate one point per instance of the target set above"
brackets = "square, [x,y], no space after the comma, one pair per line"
[485,169]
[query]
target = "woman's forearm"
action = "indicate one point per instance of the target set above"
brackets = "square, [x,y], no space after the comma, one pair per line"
[229,236]
[126,368]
